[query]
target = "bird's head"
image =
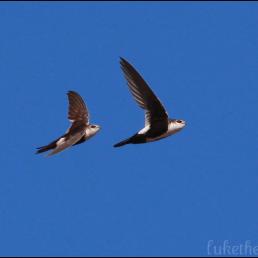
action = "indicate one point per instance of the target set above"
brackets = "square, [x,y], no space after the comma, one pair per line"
[178,124]
[181,122]
[94,128]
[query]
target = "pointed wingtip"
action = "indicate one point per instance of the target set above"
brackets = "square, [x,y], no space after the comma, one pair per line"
[72,92]
[122,60]
[38,150]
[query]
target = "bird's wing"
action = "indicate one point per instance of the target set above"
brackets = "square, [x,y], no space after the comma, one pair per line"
[147,119]
[77,110]
[66,142]
[74,134]
[144,96]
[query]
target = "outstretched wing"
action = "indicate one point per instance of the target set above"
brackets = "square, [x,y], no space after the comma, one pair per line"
[77,111]
[144,96]
[79,116]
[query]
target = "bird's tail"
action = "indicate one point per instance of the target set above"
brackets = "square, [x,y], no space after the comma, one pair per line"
[48,147]
[122,143]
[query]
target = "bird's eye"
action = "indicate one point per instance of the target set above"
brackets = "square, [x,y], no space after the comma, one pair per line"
[179,121]
[93,126]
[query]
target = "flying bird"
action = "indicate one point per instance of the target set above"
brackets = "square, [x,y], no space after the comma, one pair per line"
[157,123]
[80,131]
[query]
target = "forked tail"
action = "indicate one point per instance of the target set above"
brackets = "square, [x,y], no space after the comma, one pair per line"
[48,147]
[122,143]
[135,139]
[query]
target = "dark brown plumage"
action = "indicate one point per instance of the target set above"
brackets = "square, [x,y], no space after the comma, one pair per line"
[79,131]
[77,110]
[156,118]
[155,113]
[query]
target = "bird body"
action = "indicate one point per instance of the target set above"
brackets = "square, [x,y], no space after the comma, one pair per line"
[157,123]
[80,130]
[144,135]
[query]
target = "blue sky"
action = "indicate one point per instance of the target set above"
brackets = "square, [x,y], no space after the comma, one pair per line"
[164,198]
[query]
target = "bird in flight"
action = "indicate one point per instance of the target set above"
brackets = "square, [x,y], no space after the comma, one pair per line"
[80,130]
[157,123]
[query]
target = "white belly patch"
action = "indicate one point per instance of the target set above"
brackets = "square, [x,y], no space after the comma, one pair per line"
[62,143]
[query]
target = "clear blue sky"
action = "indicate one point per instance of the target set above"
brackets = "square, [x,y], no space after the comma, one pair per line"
[164,198]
